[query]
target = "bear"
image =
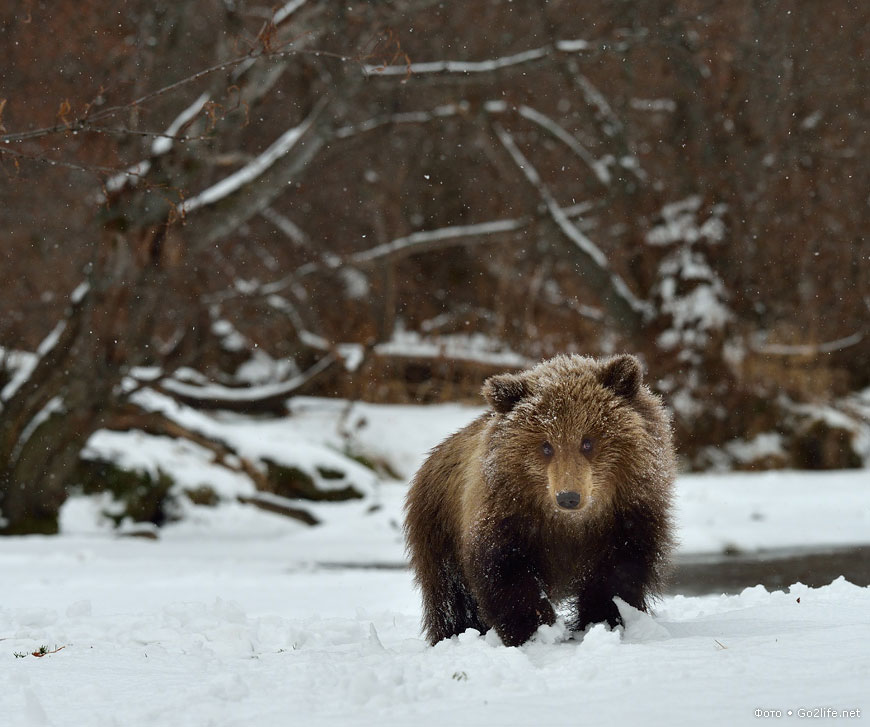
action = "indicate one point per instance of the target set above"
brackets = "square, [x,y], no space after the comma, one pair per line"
[558,495]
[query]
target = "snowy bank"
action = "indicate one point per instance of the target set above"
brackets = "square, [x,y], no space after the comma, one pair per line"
[237,616]
[220,632]
[715,513]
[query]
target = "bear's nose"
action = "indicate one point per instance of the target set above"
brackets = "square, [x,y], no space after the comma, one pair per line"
[568,500]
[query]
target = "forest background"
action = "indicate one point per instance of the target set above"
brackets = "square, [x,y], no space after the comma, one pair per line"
[235,203]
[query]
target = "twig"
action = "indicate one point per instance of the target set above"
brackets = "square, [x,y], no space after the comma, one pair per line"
[83,123]
[43,651]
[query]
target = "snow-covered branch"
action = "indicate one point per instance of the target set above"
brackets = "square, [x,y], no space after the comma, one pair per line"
[248,398]
[249,172]
[623,304]
[409,117]
[417,242]
[163,144]
[806,349]
[492,64]
[286,10]
[598,167]
[486,66]
[573,232]
[595,98]
[287,226]
[25,371]
[428,240]
[249,190]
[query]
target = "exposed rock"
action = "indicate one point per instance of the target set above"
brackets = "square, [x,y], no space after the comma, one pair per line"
[140,496]
[294,483]
[819,445]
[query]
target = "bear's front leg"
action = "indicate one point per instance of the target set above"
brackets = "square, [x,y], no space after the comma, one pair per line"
[507,586]
[594,603]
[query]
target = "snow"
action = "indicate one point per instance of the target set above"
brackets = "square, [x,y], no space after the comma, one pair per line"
[767,510]
[200,631]
[812,121]
[229,393]
[131,175]
[287,226]
[857,405]
[55,405]
[286,442]
[694,311]
[261,368]
[572,46]
[161,145]
[765,444]
[237,616]
[21,365]
[595,98]
[736,511]
[850,413]
[81,290]
[190,465]
[700,308]
[679,223]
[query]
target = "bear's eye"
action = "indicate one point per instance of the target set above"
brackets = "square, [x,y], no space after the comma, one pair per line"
[587,446]
[547,449]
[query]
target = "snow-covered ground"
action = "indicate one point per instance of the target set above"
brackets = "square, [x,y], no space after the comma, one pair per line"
[237,616]
[197,630]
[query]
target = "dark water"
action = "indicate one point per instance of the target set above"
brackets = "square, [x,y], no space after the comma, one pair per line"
[697,575]
[774,569]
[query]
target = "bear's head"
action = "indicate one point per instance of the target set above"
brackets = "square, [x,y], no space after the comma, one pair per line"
[575,435]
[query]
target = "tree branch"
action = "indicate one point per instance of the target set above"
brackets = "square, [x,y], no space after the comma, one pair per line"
[567,47]
[555,130]
[622,304]
[234,200]
[269,398]
[429,240]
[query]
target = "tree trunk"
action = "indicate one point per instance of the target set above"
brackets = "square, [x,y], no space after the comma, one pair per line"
[47,419]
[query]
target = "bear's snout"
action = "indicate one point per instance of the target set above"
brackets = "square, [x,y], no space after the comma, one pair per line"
[568,500]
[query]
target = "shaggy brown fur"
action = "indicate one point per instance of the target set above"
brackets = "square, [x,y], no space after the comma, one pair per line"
[490,544]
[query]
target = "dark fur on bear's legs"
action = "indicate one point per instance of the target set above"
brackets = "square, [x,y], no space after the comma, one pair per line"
[506,577]
[498,586]
[448,606]
[594,601]
[630,573]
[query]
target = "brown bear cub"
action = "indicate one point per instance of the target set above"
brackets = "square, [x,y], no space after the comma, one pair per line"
[560,494]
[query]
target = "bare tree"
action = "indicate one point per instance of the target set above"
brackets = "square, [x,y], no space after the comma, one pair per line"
[356,190]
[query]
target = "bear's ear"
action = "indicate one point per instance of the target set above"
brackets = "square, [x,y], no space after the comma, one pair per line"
[623,375]
[504,391]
